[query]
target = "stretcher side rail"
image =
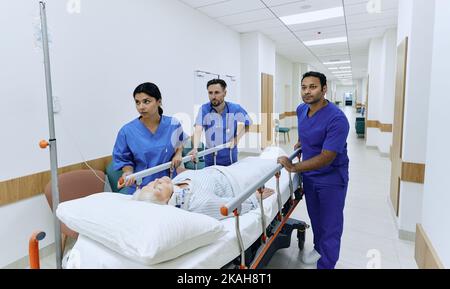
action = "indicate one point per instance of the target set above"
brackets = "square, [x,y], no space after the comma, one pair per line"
[235,203]
[235,206]
[142,174]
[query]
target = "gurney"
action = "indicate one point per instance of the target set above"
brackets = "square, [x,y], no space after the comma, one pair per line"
[245,245]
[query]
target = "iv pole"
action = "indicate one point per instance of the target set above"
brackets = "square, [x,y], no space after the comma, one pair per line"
[52,140]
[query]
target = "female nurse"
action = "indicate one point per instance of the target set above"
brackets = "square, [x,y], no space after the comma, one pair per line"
[149,140]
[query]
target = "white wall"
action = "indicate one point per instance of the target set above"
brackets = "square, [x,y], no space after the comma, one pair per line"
[382,53]
[257,56]
[267,54]
[418,77]
[250,77]
[359,91]
[436,197]
[98,57]
[364,90]
[416,20]
[283,81]
[375,90]
[387,85]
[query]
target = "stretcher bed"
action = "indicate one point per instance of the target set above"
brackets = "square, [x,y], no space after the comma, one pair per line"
[245,245]
[87,253]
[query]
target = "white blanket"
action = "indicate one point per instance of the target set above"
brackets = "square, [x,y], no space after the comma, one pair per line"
[243,174]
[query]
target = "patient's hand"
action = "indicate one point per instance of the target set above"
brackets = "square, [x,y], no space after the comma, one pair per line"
[267,192]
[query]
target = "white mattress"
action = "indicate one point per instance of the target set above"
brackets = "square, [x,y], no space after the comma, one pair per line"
[87,253]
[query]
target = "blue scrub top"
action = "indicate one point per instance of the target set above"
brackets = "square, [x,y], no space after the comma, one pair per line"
[220,129]
[138,147]
[327,129]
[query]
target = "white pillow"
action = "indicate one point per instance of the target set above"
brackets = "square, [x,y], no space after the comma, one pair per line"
[145,232]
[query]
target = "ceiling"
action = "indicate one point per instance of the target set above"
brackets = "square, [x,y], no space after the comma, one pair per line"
[360,23]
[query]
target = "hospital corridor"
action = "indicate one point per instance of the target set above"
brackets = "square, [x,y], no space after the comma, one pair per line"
[235,135]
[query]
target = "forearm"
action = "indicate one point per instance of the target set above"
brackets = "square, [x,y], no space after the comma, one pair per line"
[314,163]
[241,133]
[128,169]
[179,151]
[197,136]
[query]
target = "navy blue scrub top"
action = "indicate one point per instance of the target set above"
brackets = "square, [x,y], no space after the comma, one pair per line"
[138,147]
[327,129]
[220,129]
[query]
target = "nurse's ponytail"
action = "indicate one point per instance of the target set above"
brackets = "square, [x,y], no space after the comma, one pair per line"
[151,90]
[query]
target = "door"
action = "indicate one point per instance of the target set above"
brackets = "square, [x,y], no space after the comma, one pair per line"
[267,124]
[397,137]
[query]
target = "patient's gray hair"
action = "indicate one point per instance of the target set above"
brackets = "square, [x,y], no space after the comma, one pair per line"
[147,196]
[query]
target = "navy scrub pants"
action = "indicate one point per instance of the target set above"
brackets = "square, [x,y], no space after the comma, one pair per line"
[325,204]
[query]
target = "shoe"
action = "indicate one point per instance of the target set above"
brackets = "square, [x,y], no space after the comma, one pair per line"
[311,257]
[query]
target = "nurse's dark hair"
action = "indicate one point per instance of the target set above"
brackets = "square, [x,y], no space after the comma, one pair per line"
[151,90]
[217,81]
[320,76]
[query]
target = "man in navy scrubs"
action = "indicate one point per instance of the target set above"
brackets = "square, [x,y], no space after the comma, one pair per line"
[322,129]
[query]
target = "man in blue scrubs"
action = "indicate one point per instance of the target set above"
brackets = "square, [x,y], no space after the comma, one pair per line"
[323,129]
[219,119]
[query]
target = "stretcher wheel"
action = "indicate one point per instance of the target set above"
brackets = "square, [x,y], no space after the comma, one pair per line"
[301,239]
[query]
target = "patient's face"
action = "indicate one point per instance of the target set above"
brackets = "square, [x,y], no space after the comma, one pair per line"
[161,189]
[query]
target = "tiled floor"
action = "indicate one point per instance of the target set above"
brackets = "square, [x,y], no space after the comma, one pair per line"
[370,237]
[370,232]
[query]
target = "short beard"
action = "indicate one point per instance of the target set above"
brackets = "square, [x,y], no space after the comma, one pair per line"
[220,102]
[314,101]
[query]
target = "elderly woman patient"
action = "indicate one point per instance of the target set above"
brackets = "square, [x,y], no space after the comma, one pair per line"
[203,191]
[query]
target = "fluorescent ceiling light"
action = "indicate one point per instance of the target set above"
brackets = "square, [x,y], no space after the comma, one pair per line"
[336,62]
[332,68]
[325,41]
[313,16]
[340,72]
[345,67]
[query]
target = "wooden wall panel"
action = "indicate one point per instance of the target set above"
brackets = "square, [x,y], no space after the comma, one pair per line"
[372,123]
[414,173]
[266,110]
[287,114]
[21,188]
[384,127]
[425,254]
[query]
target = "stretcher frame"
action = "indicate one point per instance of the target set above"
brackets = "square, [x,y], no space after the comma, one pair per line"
[249,258]
[235,205]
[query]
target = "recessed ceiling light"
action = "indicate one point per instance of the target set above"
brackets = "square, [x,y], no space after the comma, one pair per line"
[332,68]
[336,62]
[345,67]
[313,16]
[325,41]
